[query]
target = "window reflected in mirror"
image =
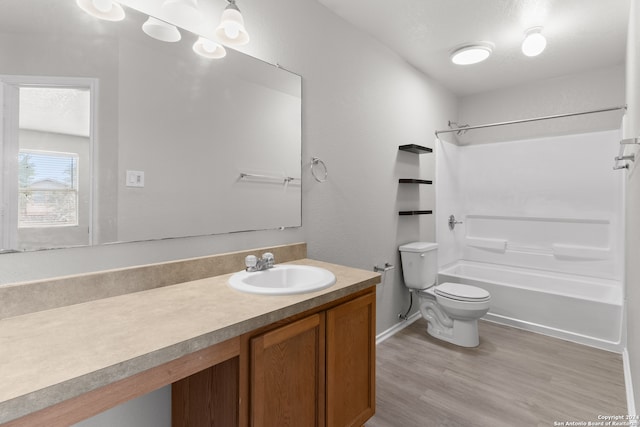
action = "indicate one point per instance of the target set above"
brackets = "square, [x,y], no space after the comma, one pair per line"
[47,163]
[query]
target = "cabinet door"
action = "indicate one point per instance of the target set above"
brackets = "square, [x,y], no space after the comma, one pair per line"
[351,362]
[287,375]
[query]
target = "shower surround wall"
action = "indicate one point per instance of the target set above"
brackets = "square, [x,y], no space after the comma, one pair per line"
[547,205]
[552,203]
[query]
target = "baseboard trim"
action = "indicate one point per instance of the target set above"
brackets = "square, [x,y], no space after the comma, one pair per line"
[628,385]
[397,328]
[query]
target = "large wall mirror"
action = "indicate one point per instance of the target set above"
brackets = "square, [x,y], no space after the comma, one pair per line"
[111,136]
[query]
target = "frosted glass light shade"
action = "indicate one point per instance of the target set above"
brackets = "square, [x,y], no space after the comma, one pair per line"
[471,54]
[231,30]
[160,30]
[107,10]
[184,11]
[209,49]
[534,42]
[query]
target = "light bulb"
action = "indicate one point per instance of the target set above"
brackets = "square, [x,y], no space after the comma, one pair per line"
[534,42]
[209,46]
[209,49]
[232,30]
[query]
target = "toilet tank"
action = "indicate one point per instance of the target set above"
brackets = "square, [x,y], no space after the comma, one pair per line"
[419,264]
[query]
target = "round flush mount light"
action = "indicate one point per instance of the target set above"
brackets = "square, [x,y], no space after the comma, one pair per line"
[209,49]
[534,42]
[160,30]
[107,10]
[470,54]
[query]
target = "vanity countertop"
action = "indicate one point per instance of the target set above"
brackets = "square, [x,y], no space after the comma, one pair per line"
[50,356]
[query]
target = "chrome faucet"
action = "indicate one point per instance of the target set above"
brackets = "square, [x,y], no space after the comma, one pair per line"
[254,264]
[452,222]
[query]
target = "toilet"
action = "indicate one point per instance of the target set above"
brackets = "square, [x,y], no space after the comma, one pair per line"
[452,310]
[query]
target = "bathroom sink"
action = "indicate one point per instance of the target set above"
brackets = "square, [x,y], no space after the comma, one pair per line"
[283,279]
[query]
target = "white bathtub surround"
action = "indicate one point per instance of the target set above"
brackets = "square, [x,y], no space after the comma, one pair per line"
[542,232]
[576,308]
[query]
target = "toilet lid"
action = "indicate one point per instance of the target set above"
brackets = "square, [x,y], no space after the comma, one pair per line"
[461,292]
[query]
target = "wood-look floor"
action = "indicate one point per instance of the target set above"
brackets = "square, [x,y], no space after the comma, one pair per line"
[513,378]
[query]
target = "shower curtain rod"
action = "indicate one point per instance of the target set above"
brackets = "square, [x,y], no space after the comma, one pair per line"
[535,119]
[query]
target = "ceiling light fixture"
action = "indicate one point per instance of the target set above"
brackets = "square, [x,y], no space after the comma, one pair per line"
[184,11]
[160,30]
[107,10]
[470,54]
[231,30]
[209,49]
[534,42]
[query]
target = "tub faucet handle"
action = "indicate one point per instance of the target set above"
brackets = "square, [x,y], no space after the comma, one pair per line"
[453,222]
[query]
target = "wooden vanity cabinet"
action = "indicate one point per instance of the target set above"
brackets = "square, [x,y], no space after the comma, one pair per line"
[314,369]
[350,361]
[287,375]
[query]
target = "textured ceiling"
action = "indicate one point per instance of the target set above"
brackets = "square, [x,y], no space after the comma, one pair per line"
[581,35]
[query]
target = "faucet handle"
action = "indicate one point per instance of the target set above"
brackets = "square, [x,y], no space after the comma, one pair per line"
[268,257]
[250,261]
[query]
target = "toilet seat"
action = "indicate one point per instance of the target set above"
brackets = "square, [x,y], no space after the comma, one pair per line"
[460,292]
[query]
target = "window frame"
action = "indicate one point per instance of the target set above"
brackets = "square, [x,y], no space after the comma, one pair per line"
[9,148]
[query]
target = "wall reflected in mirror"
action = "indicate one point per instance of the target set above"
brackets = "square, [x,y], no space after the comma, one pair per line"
[112,136]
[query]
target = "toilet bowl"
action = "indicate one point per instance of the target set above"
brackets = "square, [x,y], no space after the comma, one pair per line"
[452,310]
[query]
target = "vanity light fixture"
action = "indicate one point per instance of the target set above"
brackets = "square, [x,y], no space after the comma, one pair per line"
[534,42]
[107,10]
[231,30]
[471,54]
[209,49]
[160,30]
[184,11]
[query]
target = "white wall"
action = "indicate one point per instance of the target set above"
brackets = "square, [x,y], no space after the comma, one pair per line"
[592,89]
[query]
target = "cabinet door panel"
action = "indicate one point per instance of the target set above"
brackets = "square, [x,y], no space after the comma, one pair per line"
[287,375]
[350,356]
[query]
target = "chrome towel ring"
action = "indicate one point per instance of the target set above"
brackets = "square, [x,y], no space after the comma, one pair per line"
[315,161]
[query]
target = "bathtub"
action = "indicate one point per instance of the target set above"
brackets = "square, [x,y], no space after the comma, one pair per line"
[576,308]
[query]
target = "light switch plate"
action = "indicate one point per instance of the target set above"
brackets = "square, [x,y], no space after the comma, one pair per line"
[135,179]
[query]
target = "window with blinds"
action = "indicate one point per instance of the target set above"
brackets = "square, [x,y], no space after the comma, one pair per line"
[47,189]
